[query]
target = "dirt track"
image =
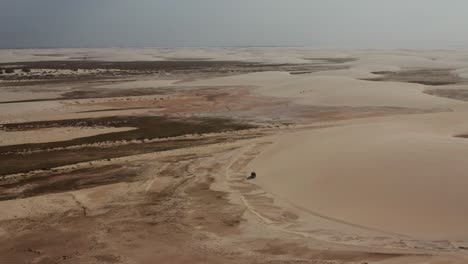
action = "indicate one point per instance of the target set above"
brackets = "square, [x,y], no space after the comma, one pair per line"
[172,217]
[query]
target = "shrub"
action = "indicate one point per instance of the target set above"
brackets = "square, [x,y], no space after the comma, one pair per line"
[26,70]
[9,70]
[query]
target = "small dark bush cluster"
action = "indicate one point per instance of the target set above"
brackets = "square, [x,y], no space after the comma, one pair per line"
[9,70]
[26,70]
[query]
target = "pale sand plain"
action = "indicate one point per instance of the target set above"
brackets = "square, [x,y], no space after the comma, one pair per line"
[350,170]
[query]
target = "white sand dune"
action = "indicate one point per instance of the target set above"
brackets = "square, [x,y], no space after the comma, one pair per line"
[402,174]
[405,174]
[402,177]
[330,88]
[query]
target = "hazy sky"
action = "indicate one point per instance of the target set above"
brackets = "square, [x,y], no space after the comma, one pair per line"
[316,23]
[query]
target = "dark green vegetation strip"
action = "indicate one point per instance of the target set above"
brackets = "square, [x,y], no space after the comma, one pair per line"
[130,68]
[18,163]
[127,65]
[147,127]
[55,182]
[13,159]
[99,93]
[167,66]
[458,94]
[332,60]
[125,68]
[433,77]
[115,109]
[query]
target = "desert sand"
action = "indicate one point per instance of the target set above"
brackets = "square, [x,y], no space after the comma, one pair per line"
[141,156]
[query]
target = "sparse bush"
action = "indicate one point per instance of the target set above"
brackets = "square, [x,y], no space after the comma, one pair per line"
[26,70]
[1,71]
[10,70]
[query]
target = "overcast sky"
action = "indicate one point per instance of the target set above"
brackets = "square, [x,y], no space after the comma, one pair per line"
[154,23]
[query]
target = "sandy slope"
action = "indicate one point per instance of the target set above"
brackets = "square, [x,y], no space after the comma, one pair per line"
[334,89]
[404,174]
[403,177]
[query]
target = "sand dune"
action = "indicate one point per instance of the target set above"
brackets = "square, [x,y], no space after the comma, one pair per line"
[394,176]
[403,174]
[348,170]
[333,89]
